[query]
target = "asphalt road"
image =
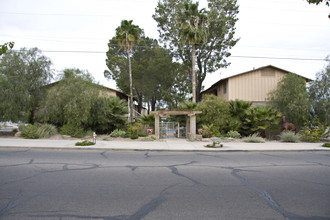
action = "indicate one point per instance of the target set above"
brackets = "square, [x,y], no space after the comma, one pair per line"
[71,184]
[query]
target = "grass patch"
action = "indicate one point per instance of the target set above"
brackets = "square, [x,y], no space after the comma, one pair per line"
[326,145]
[289,136]
[254,138]
[84,143]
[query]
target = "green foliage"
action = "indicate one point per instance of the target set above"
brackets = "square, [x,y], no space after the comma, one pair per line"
[136,129]
[238,112]
[254,138]
[221,17]
[260,118]
[72,130]
[187,105]
[234,134]
[312,134]
[151,138]
[210,131]
[326,145]
[69,101]
[22,75]
[46,130]
[134,136]
[148,120]
[84,143]
[6,46]
[30,132]
[290,98]
[289,136]
[214,111]
[107,114]
[118,133]
[319,96]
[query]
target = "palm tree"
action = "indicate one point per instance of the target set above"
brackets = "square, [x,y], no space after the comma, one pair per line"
[127,34]
[193,31]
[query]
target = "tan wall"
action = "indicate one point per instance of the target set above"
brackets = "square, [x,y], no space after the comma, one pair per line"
[254,86]
[220,90]
[107,93]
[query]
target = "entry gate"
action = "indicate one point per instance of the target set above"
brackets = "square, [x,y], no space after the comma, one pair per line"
[170,130]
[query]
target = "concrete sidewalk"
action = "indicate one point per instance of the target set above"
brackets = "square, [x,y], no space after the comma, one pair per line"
[176,145]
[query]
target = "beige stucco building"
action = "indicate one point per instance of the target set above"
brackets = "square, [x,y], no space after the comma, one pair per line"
[253,85]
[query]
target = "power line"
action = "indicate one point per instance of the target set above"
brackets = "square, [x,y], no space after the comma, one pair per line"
[245,57]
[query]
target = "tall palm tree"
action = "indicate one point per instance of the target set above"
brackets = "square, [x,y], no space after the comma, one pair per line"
[127,34]
[193,31]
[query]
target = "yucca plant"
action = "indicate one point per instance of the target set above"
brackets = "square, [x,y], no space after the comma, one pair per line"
[254,138]
[289,136]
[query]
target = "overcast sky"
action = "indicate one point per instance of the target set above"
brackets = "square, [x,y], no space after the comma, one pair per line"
[292,32]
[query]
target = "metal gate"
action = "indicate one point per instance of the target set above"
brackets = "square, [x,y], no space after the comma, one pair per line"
[171,130]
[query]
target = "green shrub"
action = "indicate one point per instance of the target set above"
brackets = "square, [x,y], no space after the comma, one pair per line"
[326,145]
[254,138]
[210,130]
[46,130]
[72,130]
[84,143]
[289,136]
[134,136]
[137,129]
[312,134]
[118,133]
[233,134]
[215,110]
[151,138]
[30,132]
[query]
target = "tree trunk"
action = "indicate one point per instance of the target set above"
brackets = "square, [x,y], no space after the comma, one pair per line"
[130,86]
[153,103]
[193,55]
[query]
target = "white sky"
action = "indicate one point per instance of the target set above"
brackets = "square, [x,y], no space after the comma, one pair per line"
[272,28]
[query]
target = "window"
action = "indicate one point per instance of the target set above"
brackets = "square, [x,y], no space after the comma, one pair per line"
[225,88]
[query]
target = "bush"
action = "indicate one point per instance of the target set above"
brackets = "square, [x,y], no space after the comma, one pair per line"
[134,136]
[254,138]
[84,143]
[137,129]
[214,111]
[289,136]
[72,130]
[210,130]
[233,134]
[118,133]
[30,132]
[46,130]
[326,145]
[312,134]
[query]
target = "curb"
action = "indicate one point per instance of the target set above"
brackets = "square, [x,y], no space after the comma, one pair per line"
[162,150]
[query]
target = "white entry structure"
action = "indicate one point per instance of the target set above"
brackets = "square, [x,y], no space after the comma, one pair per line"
[190,124]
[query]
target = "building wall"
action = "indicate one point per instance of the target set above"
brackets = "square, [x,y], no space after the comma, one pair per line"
[222,90]
[254,86]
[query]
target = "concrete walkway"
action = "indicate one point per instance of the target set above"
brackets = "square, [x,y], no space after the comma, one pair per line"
[176,145]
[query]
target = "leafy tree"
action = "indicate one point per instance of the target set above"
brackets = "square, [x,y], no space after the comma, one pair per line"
[22,75]
[327,2]
[156,77]
[6,46]
[193,30]
[212,54]
[127,34]
[107,114]
[69,101]
[319,95]
[290,98]
[215,111]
